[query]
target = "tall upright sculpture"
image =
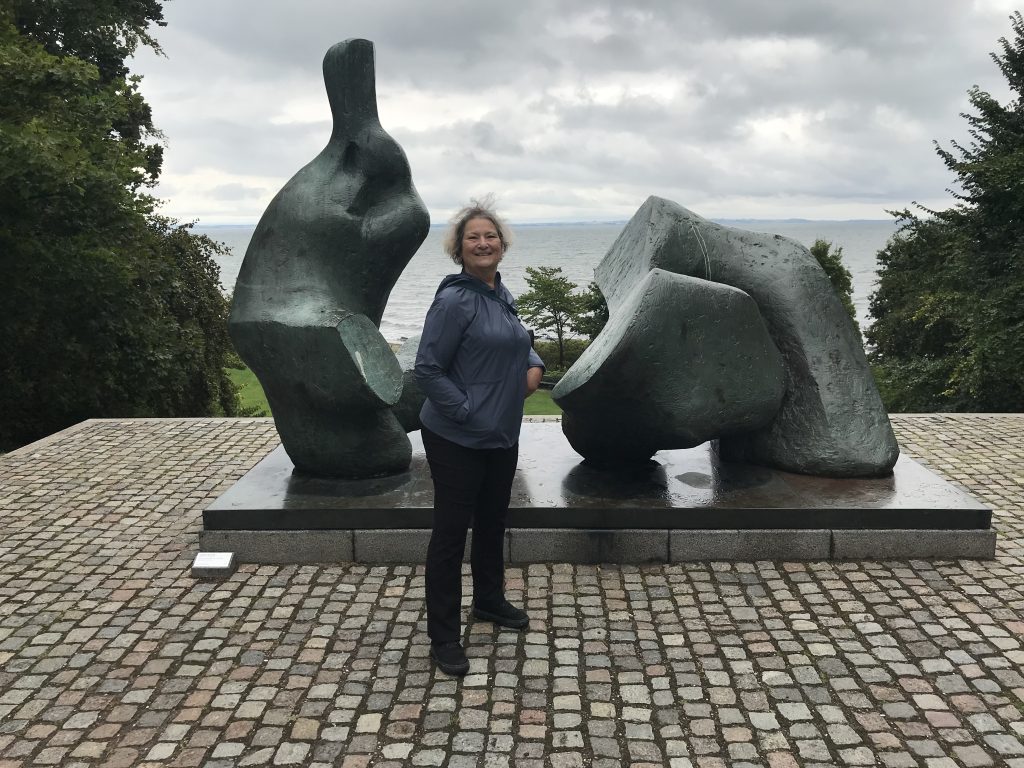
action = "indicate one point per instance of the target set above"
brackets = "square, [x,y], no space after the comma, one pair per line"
[315,281]
[719,333]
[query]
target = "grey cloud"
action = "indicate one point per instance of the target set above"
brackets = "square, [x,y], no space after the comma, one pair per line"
[456,45]
[236,192]
[489,138]
[648,118]
[272,150]
[911,60]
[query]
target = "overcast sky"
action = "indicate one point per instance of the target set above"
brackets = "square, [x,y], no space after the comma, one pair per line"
[575,110]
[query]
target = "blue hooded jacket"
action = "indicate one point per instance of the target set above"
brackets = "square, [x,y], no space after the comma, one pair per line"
[472,363]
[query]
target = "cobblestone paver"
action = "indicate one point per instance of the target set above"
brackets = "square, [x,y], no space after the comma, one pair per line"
[111,655]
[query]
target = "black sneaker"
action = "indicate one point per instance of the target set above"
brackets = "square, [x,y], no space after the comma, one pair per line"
[504,614]
[450,658]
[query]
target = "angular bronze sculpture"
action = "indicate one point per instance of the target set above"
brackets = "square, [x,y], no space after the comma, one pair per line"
[677,361]
[316,279]
[830,419]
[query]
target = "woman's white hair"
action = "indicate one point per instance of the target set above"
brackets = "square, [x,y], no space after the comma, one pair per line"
[478,208]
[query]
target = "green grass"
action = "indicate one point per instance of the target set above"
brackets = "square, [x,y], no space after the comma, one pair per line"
[251,395]
[250,392]
[541,404]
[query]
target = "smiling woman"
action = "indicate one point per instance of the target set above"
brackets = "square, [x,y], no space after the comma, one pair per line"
[482,250]
[476,366]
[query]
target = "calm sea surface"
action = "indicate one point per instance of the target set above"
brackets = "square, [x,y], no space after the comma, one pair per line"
[577,249]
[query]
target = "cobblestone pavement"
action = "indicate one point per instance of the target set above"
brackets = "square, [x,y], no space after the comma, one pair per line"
[111,655]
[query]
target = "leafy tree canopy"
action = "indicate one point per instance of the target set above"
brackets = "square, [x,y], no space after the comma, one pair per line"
[831,260]
[948,330]
[593,314]
[550,304]
[103,33]
[109,309]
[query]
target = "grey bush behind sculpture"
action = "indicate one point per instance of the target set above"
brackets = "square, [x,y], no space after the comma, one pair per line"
[315,282]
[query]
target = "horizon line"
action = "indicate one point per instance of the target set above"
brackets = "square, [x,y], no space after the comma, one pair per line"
[607,222]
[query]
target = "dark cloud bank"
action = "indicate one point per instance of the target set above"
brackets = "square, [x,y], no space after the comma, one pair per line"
[579,109]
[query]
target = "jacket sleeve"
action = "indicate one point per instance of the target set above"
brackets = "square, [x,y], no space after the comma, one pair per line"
[446,320]
[534,360]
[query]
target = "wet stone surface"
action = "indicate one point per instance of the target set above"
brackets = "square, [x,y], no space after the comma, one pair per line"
[553,488]
[110,654]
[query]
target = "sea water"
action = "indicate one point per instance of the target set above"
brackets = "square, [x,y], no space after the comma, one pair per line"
[577,249]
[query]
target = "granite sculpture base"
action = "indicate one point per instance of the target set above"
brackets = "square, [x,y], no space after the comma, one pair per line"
[685,505]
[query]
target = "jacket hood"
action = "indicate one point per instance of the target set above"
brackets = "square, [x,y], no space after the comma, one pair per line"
[462,277]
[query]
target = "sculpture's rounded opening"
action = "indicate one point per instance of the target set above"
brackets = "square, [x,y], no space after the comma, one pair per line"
[372,356]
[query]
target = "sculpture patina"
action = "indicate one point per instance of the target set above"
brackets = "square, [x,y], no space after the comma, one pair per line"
[752,348]
[715,333]
[316,279]
[672,369]
[407,409]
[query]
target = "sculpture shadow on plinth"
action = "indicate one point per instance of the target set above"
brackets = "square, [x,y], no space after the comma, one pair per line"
[645,483]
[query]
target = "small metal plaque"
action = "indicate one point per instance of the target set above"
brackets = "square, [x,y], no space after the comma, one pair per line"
[213,564]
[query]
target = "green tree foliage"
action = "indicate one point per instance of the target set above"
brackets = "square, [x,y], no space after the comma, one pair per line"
[548,351]
[550,304]
[593,315]
[949,310]
[831,260]
[103,34]
[109,309]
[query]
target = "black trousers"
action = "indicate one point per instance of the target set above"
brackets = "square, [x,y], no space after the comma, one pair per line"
[471,486]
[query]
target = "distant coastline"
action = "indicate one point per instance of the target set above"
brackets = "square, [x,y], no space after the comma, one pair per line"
[576,247]
[602,223]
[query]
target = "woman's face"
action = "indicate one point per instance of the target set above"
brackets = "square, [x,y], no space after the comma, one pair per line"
[481,246]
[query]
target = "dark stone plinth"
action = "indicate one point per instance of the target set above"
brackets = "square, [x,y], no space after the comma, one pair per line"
[688,489]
